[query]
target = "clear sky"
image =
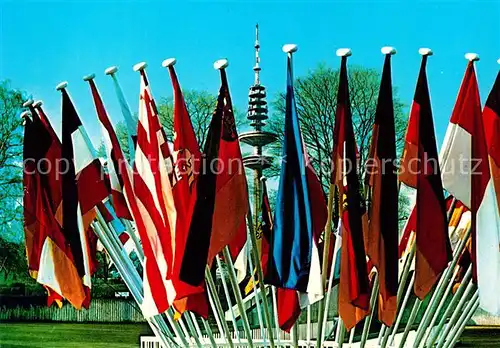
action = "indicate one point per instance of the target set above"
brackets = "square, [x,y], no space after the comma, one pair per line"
[45,42]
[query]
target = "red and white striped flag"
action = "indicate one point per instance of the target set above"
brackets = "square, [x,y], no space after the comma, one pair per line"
[154,203]
[466,175]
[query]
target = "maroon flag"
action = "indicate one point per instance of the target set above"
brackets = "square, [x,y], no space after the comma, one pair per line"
[433,250]
[382,237]
[354,288]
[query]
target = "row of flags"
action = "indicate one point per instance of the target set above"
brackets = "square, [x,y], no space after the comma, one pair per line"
[186,211]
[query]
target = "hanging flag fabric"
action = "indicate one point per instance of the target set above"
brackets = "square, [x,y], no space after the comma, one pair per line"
[293,251]
[222,197]
[433,251]
[49,255]
[382,237]
[186,162]
[115,177]
[354,288]
[153,207]
[78,205]
[488,213]
[158,290]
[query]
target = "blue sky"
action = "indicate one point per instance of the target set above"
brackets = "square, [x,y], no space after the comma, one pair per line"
[45,42]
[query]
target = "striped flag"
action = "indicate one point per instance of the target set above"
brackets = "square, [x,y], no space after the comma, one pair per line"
[488,213]
[382,237]
[84,171]
[155,203]
[222,197]
[354,288]
[433,251]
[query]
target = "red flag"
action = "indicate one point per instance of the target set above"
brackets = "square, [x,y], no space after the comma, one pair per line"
[222,197]
[187,155]
[354,288]
[50,258]
[433,251]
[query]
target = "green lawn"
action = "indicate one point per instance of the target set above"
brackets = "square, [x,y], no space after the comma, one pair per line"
[61,335]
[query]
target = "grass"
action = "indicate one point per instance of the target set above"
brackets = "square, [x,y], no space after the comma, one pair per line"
[59,335]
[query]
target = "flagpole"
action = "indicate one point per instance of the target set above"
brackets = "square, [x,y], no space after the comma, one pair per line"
[451,306]
[136,292]
[439,289]
[275,310]
[323,305]
[130,120]
[114,242]
[228,298]
[324,317]
[135,239]
[462,322]
[237,294]
[368,320]
[219,311]
[457,311]
[260,273]
[256,292]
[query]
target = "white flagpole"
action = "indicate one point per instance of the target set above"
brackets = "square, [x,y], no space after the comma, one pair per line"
[324,315]
[228,299]
[351,336]
[458,295]
[130,120]
[256,294]
[462,322]
[276,319]
[237,294]
[368,320]
[223,328]
[260,274]
[155,322]
[135,239]
[442,285]
[209,332]
[456,314]
[340,334]
[426,330]
[308,329]
[438,292]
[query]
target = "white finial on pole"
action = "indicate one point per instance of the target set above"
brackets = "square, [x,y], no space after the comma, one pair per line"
[28,103]
[89,77]
[221,64]
[388,50]
[140,66]
[62,85]
[37,104]
[25,114]
[169,62]
[472,57]
[290,48]
[425,51]
[111,70]
[344,52]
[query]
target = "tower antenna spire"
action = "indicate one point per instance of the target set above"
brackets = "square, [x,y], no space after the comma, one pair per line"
[256,68]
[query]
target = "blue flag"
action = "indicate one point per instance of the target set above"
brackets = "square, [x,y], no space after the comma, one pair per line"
[292,238]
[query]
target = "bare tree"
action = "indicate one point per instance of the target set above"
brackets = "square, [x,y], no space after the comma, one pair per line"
[11,141]
[316,99]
